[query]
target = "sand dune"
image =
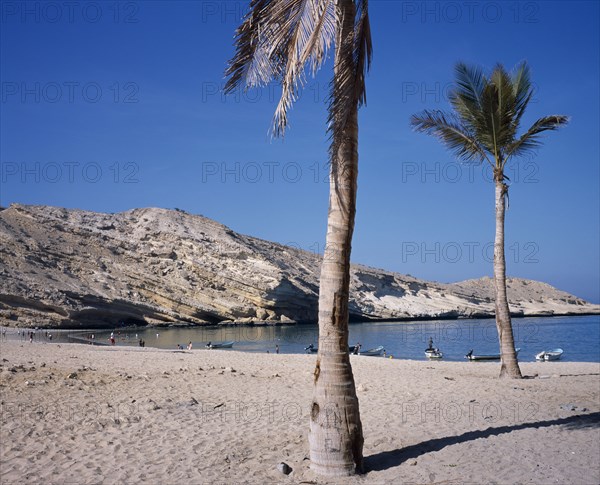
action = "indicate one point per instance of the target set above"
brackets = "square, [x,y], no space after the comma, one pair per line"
[81,414]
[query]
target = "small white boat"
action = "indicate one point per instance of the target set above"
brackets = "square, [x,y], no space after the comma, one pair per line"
[547,355]
[432,352]
[471,356]
[372,352]
[222,345]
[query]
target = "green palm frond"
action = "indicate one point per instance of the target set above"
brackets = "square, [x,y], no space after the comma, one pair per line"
[466,95]
[506,105]
[448,128]
[487,114]
[530,140]
[523,91]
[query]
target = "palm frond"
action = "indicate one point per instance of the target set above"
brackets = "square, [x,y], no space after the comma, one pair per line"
[448,128]
[522,90]
[530,140]
[321,31]
[250,65]
[505,129]
[353,59]
[486,130]
[307,36]
[466,95]
[363,49]
[276,40]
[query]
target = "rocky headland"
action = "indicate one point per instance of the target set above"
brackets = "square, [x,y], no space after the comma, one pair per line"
[68,268]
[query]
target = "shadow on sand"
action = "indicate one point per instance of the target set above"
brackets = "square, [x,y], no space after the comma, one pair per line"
[389,459]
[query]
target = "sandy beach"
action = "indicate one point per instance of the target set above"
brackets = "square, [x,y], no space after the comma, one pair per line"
[82,414]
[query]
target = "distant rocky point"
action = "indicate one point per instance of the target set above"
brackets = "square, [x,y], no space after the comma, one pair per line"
[71,268]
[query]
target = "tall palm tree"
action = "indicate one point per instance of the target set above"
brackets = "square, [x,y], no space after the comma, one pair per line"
[483,128]
[275,41]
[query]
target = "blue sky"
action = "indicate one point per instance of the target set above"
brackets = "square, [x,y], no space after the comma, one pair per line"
[109,106]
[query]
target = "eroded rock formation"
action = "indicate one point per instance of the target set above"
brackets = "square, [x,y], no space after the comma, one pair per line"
[73,268]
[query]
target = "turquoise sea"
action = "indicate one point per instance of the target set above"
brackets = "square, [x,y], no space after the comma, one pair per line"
[579,337]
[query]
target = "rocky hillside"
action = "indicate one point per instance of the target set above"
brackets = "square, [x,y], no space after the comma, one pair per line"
[73,268]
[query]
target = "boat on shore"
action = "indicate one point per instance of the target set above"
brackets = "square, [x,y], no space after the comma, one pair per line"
[373,352]
[547,355]
[221,345]
[311,349]
[473,357]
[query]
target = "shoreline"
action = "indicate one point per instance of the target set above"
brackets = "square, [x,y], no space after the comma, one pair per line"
[408,320]
[69,411]
[578,336]
[137,348]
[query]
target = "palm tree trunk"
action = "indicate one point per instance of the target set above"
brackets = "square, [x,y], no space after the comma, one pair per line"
[509,363]
[335,437]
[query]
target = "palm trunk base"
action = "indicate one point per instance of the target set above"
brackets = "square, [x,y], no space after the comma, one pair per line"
[509,369]
[335,437]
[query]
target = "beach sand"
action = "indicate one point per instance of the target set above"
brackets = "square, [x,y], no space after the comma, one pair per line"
[78,414]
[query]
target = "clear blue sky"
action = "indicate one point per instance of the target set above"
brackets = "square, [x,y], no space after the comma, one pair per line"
[111,106]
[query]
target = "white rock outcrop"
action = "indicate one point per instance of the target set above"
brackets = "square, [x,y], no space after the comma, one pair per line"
[73,268]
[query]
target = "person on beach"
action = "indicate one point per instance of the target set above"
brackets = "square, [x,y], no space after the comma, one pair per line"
[189,347]
[277,349]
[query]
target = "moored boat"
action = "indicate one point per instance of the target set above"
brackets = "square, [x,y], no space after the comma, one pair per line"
[547,355]
[311,349]
[432,352]
[471,356]
[373,352]
[221,345]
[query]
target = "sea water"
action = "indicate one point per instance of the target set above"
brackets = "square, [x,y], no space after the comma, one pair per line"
[578,336]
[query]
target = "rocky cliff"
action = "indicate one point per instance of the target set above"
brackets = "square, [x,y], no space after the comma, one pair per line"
[74,268]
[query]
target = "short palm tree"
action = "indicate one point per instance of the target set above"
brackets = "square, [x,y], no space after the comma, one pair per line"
[483,128]
[275,42]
